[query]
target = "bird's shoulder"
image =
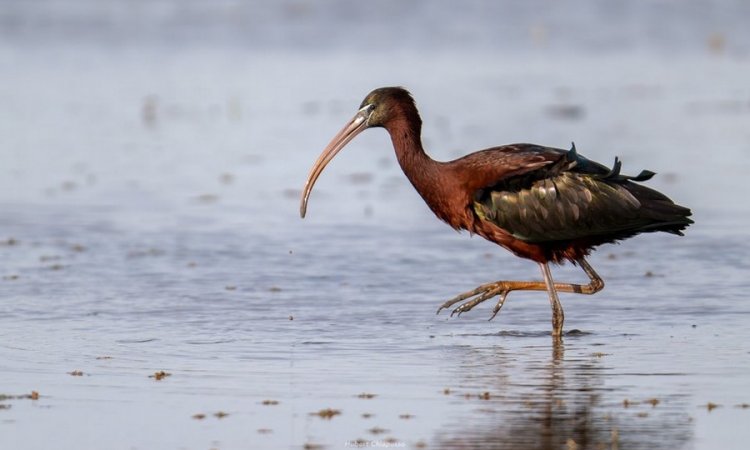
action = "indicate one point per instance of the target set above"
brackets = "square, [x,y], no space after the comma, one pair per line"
[514,165]
[486,168]
[500,168]
[511,158]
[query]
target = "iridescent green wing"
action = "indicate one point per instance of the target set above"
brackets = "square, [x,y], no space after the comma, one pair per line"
[570,199]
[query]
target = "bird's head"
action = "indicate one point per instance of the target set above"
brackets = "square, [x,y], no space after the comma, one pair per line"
[385,104]
[378,109]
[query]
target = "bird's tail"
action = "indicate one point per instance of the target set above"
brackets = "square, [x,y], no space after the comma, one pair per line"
[662,213]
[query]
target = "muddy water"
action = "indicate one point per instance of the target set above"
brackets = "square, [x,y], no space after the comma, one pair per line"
[148,223]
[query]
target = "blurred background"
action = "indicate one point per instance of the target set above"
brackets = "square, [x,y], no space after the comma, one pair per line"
[156,100]
[151,158]
[575,25]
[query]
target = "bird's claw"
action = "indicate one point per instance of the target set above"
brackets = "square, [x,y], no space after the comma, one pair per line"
[480,294]
[499,304]
[461,309]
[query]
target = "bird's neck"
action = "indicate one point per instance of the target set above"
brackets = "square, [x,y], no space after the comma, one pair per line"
[419,168]
[432,179]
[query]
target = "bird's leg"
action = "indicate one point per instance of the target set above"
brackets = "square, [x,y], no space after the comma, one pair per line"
[595,285]
[503,288]
[558,317]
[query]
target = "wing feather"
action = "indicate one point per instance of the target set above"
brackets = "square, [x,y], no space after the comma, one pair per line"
[548,195]
[566,206]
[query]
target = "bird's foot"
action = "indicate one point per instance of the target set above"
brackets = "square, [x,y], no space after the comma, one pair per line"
[480,294]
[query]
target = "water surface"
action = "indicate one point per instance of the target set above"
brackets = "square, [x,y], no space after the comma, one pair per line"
[148,222]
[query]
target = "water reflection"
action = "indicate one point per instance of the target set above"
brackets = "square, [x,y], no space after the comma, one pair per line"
[535,397]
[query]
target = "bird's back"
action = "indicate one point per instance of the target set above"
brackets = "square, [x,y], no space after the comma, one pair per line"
[568,204]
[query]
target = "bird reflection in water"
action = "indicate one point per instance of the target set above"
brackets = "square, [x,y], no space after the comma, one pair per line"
[553,402]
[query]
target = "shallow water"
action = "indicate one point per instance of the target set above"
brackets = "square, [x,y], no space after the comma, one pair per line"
[149,221]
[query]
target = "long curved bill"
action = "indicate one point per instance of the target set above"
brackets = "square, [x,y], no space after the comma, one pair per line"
[356,125]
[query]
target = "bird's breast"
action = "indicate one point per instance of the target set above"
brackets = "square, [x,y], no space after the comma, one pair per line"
[450,205]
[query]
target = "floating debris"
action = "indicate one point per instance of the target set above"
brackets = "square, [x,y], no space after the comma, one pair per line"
[366,395]
[310,108]
[566,111]
[252,159]
[311,446]
[484,395]
[291,193]
[264,431]
[149,109]
[220,414]
[447,391]
[642,414]
[367,415]
[199,416]
[206,199]
[140,253]
[68,185]
[653,401]
[9,242]
[710,406]
[34,395]
[270,402]
[743,405]
[10,277]
[406,416]
[104,357]
[160,375]
[599,354]
[716,42]
[377,430]
[4,406]
[327,413]
[291,317]
[669,177]
[570,444]
[230,288]
[226,178]
[274,289]
[360,178]
[76,373]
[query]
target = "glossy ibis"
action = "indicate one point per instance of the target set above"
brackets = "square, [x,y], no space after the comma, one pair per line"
[544,204]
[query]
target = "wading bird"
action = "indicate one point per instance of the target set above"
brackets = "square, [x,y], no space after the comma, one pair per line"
[544,204]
